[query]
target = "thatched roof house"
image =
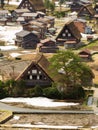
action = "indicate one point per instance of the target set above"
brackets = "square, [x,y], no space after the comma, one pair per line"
[36,73]
[32,5]
[69,32]
[86,10]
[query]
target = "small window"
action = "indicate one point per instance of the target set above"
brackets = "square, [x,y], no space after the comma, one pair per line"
[34,71]
[30,7]
[30,77]
[38,77]
[45,78]
[69,34]
[28,72]
[34,77]
[41,77]
[66,31]
[63,34]
[84,9]
[39,72]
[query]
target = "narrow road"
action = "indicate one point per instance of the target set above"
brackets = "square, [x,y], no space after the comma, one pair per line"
[95,100]
[4,106]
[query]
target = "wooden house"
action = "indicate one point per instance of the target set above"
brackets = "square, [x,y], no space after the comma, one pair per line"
[69,35]
[36,26]
[78,4]
[86,11]
[20,20]
[96,8]
[41,14]
[37,73]
[85,55]
[49,21]
[29,16]
[26,39]
[75,7]
[32,5]
[18,12]
[4,13]
[48,46]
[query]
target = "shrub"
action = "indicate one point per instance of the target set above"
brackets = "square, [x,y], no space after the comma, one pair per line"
[2,90]
[75,93]
[37,91]
[59,14]
[52,92]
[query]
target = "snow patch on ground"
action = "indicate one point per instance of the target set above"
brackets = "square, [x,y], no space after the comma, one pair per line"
[39,101]
[84,36]
[16,117]
[5,48]
[15,54]
[7,34]
[46,126]
[14,2]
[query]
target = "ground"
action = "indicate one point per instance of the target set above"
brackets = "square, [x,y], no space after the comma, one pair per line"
[56,119]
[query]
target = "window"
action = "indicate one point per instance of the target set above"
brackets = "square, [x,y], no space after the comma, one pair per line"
[28,72]
[30,77]
[66,31]
[69,34]
[34,77]
[63,34]
[34,71]
[45,78]
[38,77]
[41,77]
[84,9]
[39,72]
[30,7]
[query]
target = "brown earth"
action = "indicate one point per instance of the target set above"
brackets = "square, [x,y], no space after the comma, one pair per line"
[57,119]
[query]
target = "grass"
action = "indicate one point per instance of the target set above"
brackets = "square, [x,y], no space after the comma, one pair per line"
[9,7]
[92,45]
[4,115]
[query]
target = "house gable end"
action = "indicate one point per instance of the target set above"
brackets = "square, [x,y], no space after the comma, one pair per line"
[34,75]
[69,32]
[26,4]
[86,10]
[65,33]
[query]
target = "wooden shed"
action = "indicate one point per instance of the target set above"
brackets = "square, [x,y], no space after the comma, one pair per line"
[48,46]
[26,39]
[85,55]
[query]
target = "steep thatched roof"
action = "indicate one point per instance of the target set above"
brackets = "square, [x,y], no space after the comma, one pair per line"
[73,29]
[89,8]
[39,60]
[38,4]
[32,5]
